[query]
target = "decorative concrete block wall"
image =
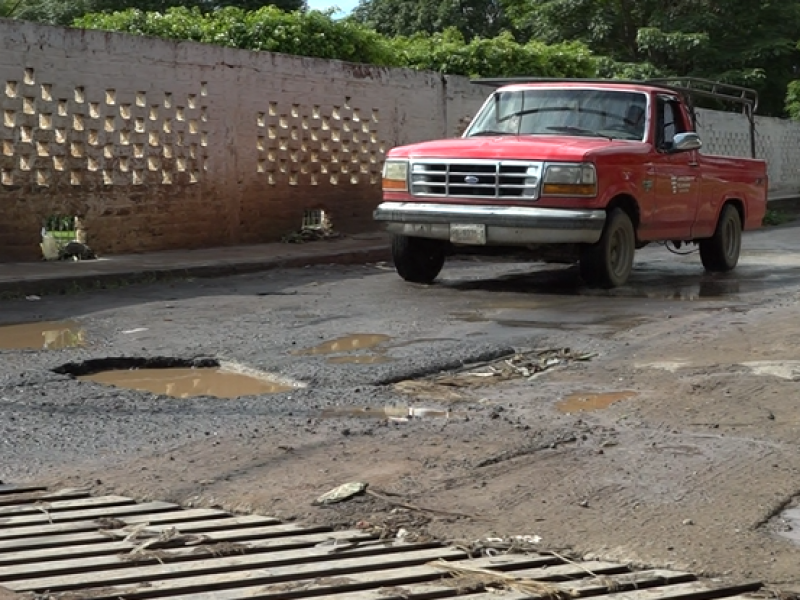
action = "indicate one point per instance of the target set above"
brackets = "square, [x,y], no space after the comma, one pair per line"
[161,145]
[777,142]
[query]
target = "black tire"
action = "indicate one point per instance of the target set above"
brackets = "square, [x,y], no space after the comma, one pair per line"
[720,253]
[418,260]
[609,262]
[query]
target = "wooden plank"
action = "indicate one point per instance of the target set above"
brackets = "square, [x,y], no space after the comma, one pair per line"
[680,591]
[8,523]
[416,582]
[265,537]
[64,505]
[193,520]
[43,496]
[198,575]
[307,552]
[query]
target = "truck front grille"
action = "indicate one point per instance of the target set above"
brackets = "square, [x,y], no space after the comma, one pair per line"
[476,179]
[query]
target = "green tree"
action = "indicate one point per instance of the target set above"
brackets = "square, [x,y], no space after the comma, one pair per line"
[749,42]
[473,18]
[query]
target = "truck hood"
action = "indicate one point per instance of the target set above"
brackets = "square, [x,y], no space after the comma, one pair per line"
[540,147]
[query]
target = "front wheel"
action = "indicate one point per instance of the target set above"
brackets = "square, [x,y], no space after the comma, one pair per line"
[418,260]
[609,262]
[720,253]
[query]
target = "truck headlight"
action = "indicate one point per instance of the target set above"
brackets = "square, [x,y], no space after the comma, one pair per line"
[395,175]
[570,180]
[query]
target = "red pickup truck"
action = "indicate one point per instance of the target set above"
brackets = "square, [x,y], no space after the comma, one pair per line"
[592,169]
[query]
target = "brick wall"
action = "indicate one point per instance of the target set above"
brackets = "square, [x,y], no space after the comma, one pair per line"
[161,145]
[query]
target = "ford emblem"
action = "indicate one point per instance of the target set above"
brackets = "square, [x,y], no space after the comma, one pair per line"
[471,179]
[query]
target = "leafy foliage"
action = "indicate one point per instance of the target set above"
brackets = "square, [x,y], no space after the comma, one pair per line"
[64,12]
[307,34]
[394,18]
[497,57]
[9,8]
[317,34]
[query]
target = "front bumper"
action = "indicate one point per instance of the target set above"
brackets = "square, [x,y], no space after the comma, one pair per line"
[505,225]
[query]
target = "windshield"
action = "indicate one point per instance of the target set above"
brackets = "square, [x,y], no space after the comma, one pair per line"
[570,111]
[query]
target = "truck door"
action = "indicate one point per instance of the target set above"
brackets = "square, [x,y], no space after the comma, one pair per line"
[677,174]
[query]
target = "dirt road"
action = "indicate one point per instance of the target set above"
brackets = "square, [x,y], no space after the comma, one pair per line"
[666,436]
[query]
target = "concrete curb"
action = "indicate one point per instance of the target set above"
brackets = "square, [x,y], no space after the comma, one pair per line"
[73,282]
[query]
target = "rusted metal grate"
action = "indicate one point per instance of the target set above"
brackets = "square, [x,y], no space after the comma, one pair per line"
[68,545]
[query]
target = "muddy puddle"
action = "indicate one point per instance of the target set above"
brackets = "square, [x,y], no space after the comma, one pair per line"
[349,343]
[391,413]
[190,382]
[352,347]
[44,335]
[583,402]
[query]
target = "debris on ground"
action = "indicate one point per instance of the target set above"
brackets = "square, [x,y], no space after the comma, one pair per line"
[530,364]
[527,365]
[154,539]
[401,525]
[312,233]
[494,546]
[341,493]
[476,579]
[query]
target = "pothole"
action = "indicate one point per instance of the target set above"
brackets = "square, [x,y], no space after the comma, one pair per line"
[350,344]
[590,402]
[44,335]
[179,378]
[787,524]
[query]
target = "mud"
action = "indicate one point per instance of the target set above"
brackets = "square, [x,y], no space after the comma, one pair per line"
[188,382]
[690,470]
[583,402]
[46,335]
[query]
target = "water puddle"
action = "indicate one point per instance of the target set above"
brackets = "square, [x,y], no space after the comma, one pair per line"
[789,524]
[391,413]
[187,382]
[349,343]
[581,402]
[44,335]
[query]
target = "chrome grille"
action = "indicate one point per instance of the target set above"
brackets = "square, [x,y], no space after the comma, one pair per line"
[476,179]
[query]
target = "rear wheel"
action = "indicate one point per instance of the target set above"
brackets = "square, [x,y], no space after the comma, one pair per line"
[609,262]
[418,260]
[720,252]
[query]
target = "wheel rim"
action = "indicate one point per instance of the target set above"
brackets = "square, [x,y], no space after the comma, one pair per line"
[730,240]
[620,253]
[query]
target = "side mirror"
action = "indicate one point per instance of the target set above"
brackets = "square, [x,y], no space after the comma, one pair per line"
[685,142]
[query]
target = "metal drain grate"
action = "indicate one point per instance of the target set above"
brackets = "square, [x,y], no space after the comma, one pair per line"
[67,545]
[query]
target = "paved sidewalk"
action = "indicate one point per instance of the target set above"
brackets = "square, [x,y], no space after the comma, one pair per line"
[62,276]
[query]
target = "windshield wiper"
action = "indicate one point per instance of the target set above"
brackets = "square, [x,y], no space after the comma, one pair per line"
[575,130]
[579,131]
[488,132]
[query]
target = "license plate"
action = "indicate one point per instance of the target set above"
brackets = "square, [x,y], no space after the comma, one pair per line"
[468,234]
